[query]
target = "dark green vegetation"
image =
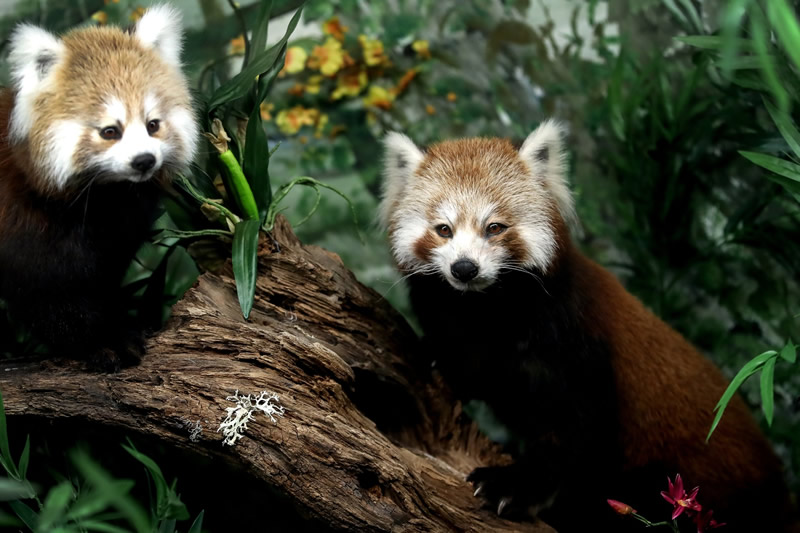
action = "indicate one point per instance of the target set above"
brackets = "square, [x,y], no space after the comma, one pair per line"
[684,149]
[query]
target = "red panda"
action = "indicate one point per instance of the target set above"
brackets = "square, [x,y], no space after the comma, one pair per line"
[600,398]
[93,122]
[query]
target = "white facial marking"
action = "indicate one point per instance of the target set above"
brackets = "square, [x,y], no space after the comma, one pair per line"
[116,111]
[182,122]
[62,142]
[118,158]
[407,234]
[34,54]
[151,110]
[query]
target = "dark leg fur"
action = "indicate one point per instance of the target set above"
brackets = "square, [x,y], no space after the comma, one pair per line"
[63,282]
[519,349]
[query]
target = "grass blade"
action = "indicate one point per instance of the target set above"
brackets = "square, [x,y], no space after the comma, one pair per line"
[786,169]
[23,460]
[786,126]
[5,450]
[197,525]
[25,513]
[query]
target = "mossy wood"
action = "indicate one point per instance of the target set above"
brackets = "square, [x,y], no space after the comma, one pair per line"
[370,440]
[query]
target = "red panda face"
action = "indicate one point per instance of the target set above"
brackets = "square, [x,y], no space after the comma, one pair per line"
[102,105]
[469,210]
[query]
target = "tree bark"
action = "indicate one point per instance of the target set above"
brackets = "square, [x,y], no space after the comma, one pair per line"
[370,440]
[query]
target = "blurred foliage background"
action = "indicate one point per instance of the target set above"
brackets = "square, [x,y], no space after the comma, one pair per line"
[660,97]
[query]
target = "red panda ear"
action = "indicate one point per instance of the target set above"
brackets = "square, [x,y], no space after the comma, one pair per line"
[160,29]
[400,160]
[543,151]
[33,54]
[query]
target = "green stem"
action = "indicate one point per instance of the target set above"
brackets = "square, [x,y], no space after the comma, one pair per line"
[178,234]
[239,185]
[233,217]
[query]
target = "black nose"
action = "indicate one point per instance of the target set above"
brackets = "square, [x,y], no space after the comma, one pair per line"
[143,162]
[464,270]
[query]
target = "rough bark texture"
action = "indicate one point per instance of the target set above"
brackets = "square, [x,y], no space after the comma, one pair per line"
[369,442]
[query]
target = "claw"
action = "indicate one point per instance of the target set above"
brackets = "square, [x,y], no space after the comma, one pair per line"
[502,505]
[478,489]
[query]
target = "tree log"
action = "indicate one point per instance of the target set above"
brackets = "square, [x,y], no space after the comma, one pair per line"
[370,440]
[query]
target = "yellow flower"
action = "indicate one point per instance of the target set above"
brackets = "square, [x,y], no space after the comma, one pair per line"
[101,17]
[295,60]
[236,46]
[266,111]
[451,96]
[106,2]
[421,48]
[137,13]
[429,109]
[379,97]
[297,89]
[290,121]
[350,84]
[334,28]
[321,123]
[314,84]
[328,58]
[373,51]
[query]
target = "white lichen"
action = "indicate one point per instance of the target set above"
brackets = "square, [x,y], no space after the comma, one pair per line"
[235,423]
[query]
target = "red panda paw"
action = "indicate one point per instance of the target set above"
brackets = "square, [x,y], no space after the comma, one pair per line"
[509,490]
[125,353]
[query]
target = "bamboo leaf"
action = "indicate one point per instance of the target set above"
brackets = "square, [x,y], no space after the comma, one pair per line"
[23,460]
[752,366]
[5,450]
[25,513]
[788,172]
[197,525]
[261,28]
[785,126]
[789,352]
[784,22]
[245,262]
[767,389]
[238,86]
[55,505]
[711,42]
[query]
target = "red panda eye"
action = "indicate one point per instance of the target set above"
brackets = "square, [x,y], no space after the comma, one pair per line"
[444,231]
[495,229]
[153,126]
[111,133]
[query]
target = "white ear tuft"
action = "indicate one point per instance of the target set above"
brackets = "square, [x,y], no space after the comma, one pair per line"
[544,153]
[400,161]
[33,54]
[160,29]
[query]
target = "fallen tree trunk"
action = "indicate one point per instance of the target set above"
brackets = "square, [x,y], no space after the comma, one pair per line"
[369,441]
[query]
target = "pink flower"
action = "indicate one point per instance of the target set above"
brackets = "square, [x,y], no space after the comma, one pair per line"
[621,508]
[678,497]
[705,523]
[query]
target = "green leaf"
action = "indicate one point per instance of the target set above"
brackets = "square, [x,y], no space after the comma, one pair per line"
[750,368]
[23,459]
[245,262]
[710,42]
[784,22]
[261,29]
[786,169]
[55,505]
[25,513]
[767,389]
[168,504]
[5,450]
[116,492]
[238,86]
[91,502]
[760,40]
[789,352]
[197,525]
[166,526]
[785,126]
[11,489]
[96,525]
